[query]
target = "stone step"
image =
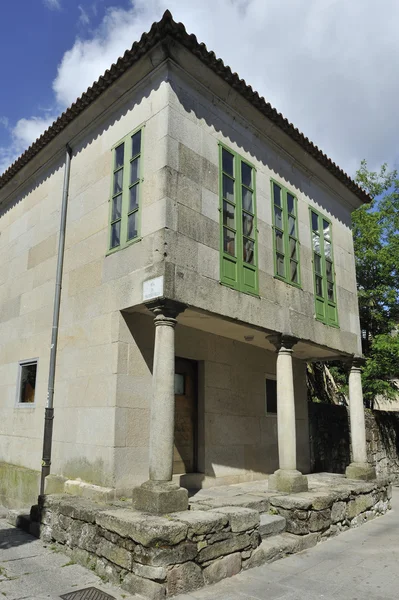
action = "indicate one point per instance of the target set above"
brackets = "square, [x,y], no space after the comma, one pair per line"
[279,546]
[271,525]
[19,518]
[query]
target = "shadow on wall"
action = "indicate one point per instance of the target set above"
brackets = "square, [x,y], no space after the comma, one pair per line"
[329,438]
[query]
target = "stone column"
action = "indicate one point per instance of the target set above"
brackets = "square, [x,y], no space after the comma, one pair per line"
[359,468]
[287,478]
[159,494]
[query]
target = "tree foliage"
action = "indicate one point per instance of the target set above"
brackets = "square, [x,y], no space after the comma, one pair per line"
[376,244]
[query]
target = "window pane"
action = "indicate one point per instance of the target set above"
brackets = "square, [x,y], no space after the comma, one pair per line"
[319,286]
[132,225]
[329,270]
[134,197]
[28,383]
[228,214]
[179,384]
[228,188]
[280,265]
[119,152]
[116,207]
[247,200]
[279,241]
[291,225]
[315,222]
[326,230]
[115,234]
[229,242]
[290,203]
[330,291]
[294,271]
[134,170]
[278,217]
[246,174]
[316,242]
[118,182]
[317,263]
[136,143]
[227,162]
[293,249]
[248,251]
[248,225]
[271,396]
[276,194]
[327,249]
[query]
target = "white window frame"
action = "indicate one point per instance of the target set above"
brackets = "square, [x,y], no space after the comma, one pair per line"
[272,376]
[23,363]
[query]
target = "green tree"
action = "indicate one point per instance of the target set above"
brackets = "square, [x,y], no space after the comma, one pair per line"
[376,242]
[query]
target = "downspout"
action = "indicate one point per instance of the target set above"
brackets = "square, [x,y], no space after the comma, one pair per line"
[49,411]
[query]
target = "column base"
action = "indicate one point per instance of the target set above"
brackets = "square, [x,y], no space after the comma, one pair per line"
[360,471]
[284,480]
[160,497]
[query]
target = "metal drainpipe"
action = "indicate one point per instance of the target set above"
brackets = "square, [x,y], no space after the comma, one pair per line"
[49,411]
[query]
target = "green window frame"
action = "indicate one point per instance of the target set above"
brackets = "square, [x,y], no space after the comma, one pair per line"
[238,223]
[285,235]
[323,269]
[126,182]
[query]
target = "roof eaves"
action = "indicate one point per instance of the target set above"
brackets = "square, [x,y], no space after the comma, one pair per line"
[159,31]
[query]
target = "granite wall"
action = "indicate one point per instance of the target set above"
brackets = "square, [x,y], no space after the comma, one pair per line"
[329,436]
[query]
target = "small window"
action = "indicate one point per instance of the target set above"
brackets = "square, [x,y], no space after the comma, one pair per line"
[125,191]
[27,382]
[271,396]
[180,384]
[286,243]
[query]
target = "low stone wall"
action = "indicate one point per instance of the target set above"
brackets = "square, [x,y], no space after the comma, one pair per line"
[150,555]
[330,440]
[328,513]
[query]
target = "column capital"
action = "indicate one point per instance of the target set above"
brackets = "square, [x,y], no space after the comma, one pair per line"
[165,310]
[283,343]
[354,364]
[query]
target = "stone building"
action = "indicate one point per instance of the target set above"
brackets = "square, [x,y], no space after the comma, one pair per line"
[194,206]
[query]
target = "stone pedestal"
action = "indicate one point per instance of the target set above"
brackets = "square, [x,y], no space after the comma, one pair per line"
[159,494]
[160,497]
[286,478]
[359,468]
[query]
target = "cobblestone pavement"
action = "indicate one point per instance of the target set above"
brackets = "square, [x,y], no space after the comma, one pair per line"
[360,564]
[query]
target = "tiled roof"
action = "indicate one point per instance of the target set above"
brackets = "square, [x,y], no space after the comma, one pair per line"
[165,28]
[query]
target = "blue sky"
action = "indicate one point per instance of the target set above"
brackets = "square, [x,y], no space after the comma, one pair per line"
[330,66]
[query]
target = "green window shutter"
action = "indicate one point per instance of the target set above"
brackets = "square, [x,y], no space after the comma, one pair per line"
[323,269]
[285,235]
[238,252]
[124,219]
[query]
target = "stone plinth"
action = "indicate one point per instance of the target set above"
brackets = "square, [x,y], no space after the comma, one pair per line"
[289,481]
[160,497]
[363,471]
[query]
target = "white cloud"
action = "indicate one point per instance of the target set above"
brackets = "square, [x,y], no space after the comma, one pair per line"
[330,66]
[84,18]
[52,4]
[22,135]
[4,122]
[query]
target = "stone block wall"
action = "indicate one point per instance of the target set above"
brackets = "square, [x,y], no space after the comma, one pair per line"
[330,439]
[328,513]
[151,555]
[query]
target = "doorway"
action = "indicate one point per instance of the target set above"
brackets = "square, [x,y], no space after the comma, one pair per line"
[186,417]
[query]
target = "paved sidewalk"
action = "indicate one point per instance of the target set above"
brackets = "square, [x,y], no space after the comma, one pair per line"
[360,564]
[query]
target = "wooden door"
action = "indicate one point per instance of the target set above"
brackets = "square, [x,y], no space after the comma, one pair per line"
[185,448]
